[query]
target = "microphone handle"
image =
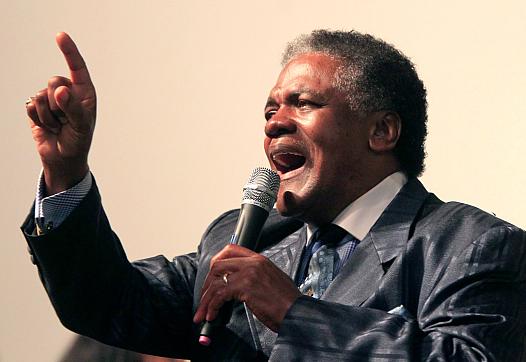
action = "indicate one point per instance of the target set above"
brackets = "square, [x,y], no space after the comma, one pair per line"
[249,224]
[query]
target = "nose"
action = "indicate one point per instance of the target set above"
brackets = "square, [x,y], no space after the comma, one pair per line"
[279,124]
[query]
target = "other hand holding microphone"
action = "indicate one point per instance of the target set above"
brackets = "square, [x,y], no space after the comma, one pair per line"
[239,273]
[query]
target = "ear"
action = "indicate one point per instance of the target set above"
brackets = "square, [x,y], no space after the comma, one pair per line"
[385,131]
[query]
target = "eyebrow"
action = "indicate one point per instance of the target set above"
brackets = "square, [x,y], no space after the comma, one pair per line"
[271,103]
[294,95]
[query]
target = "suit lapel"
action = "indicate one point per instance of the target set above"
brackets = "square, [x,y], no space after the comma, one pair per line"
[361,275]
[358,277]
[285,255]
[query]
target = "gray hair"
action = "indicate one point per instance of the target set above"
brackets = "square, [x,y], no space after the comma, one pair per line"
[376,77]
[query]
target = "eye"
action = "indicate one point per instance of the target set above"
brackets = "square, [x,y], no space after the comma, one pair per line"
[306,104]
[269,113]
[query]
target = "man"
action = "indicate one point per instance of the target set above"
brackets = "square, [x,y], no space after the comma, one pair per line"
[407,277]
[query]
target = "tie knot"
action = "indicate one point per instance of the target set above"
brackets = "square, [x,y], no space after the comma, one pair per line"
[330,234]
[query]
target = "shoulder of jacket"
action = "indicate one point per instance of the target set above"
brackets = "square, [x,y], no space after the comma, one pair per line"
[456,217]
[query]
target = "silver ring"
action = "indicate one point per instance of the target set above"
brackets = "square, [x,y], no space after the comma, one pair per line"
[29,100]
[225,279]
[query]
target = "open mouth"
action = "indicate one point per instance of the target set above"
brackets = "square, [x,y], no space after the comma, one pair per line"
[286,162]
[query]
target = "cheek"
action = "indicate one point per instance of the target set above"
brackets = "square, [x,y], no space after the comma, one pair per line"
[330,161]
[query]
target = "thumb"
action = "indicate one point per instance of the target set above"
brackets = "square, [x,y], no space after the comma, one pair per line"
[73,111]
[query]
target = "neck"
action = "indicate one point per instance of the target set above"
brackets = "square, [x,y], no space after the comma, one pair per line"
[326,210]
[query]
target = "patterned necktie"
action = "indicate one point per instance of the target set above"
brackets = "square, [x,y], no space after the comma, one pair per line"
[318,264]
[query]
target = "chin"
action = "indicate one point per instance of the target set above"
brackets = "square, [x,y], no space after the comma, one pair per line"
[290,204]
[308,203]
[297,191]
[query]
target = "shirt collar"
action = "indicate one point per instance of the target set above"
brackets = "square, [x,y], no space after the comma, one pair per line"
[360,215]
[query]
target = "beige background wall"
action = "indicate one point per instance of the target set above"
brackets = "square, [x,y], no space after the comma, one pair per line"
[181,88]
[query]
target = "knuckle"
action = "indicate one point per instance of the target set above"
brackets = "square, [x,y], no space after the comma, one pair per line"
[30,110]
[219,293]
[41,95]
[213,265]
[259,260]
[56,81]
[214,308]
[215,303]
[246,283]
[213,260]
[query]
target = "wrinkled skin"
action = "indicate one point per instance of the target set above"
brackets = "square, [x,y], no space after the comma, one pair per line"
[62,120]
[326,156]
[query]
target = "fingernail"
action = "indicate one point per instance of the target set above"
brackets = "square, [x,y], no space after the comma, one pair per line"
[64,98]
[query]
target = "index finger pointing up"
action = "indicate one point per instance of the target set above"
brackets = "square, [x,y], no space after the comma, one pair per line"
[77,66]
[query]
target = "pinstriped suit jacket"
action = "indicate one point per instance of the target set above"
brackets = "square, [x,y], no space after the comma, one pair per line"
[458,272]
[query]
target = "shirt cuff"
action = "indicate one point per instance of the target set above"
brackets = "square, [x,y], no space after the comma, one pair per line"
[51,211]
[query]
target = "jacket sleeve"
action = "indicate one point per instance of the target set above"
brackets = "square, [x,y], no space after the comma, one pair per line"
[474,310]
[145,306]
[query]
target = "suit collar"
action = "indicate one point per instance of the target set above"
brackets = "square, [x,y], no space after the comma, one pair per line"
[361,275]
[359,217]
[387,238]
[392,230]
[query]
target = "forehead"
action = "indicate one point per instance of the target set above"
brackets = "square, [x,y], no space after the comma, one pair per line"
[313,72]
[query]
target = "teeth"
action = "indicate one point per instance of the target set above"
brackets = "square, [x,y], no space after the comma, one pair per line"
[287,161]
[274,156]
[281,163]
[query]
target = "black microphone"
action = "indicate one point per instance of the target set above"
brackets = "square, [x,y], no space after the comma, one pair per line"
[259,196]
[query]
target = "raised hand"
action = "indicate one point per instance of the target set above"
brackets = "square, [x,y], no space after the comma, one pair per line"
[62,119]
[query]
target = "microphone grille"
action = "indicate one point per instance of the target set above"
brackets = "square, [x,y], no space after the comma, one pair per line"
[262,188]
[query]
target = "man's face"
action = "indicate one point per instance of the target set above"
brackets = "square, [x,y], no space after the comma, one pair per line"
[318,147]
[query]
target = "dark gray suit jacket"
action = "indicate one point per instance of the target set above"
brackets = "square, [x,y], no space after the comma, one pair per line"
[458,272]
